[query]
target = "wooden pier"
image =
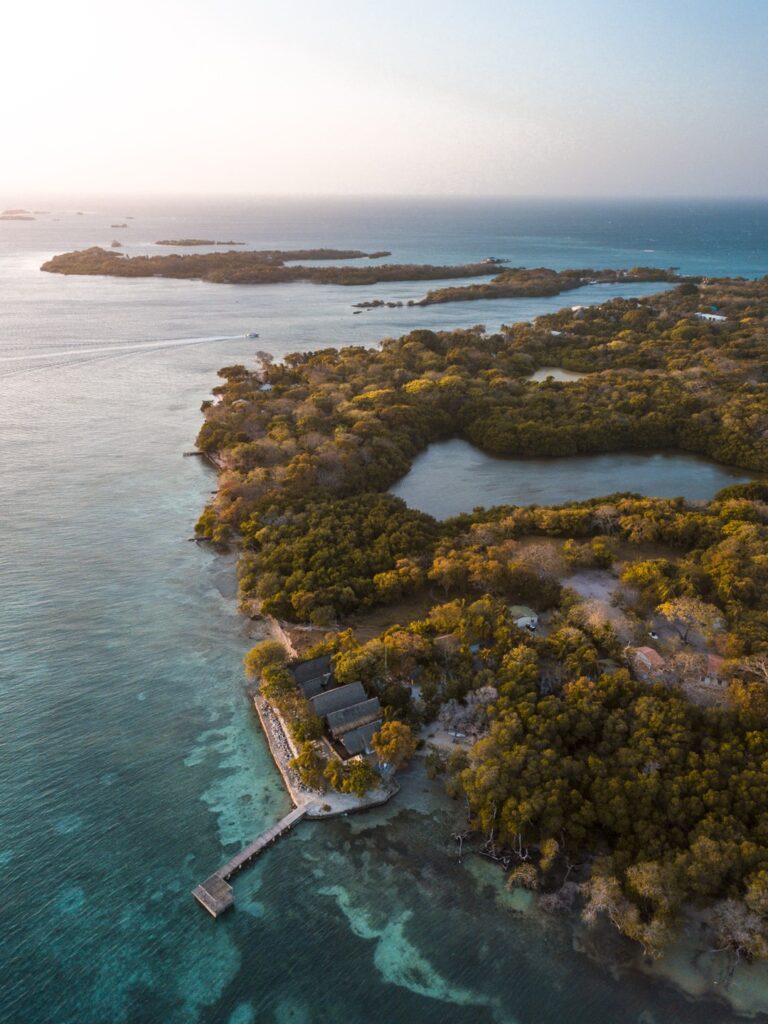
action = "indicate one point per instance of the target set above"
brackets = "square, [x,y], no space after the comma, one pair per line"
[215,893]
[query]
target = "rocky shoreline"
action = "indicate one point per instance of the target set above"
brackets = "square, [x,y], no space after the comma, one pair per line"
[324,805]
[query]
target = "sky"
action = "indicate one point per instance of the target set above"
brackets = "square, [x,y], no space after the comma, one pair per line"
[403,97]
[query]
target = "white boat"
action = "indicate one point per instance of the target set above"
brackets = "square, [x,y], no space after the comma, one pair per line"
[252,334]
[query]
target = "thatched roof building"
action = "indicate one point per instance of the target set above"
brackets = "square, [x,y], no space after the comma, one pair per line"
[313,675]
[358,741]
[336,698]
[341,722]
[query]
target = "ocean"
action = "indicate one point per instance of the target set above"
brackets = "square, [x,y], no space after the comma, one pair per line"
[132,765]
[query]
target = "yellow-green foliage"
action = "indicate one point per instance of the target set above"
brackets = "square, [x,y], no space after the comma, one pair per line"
[675,797]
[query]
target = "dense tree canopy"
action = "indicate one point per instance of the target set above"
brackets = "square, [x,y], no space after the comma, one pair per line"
[251,266]
[674,799]
[339,422]
[660,802]
[336,556]
[521,282]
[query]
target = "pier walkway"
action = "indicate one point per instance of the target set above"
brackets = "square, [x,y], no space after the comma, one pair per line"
[215,893]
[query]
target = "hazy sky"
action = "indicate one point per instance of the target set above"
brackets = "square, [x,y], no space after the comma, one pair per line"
[547,97]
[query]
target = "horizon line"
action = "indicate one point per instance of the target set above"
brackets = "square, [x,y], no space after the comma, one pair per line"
[351,196]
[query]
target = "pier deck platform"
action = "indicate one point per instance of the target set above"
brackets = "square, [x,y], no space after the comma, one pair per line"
[215,893]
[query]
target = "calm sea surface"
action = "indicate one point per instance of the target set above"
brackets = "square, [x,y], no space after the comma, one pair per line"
[131,764]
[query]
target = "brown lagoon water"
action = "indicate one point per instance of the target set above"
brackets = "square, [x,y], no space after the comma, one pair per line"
[131,762]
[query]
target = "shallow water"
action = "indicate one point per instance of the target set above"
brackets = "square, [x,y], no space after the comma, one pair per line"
[132,764]
[451,477]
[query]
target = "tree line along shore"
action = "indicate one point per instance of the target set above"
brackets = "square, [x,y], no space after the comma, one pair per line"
[625,784]
[537,282]
[269,267]
[522,282]
[254,267]
[193,241]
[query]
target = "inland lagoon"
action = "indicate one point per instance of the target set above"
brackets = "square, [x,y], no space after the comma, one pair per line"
[452,477]
[556,373]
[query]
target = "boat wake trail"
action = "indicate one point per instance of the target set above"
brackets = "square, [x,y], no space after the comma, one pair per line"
[109,349]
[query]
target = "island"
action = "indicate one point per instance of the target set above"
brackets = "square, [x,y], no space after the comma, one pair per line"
[590,679]
[253,267]
[537,282]
[193,241]
[16,215]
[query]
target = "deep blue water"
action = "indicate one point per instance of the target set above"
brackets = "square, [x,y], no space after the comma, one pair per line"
[131,764]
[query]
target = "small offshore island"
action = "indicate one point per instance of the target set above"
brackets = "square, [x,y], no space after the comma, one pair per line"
[266,266]
[16,214]
[537,282]
[591,678]
[194,241]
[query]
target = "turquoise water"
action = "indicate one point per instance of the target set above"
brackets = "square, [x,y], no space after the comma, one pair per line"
[131,764]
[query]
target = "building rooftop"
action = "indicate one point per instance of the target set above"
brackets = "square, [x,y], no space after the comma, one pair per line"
[717,317]
[343,721]
[358,741]
[312,668]
[312,687]
[337,697]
